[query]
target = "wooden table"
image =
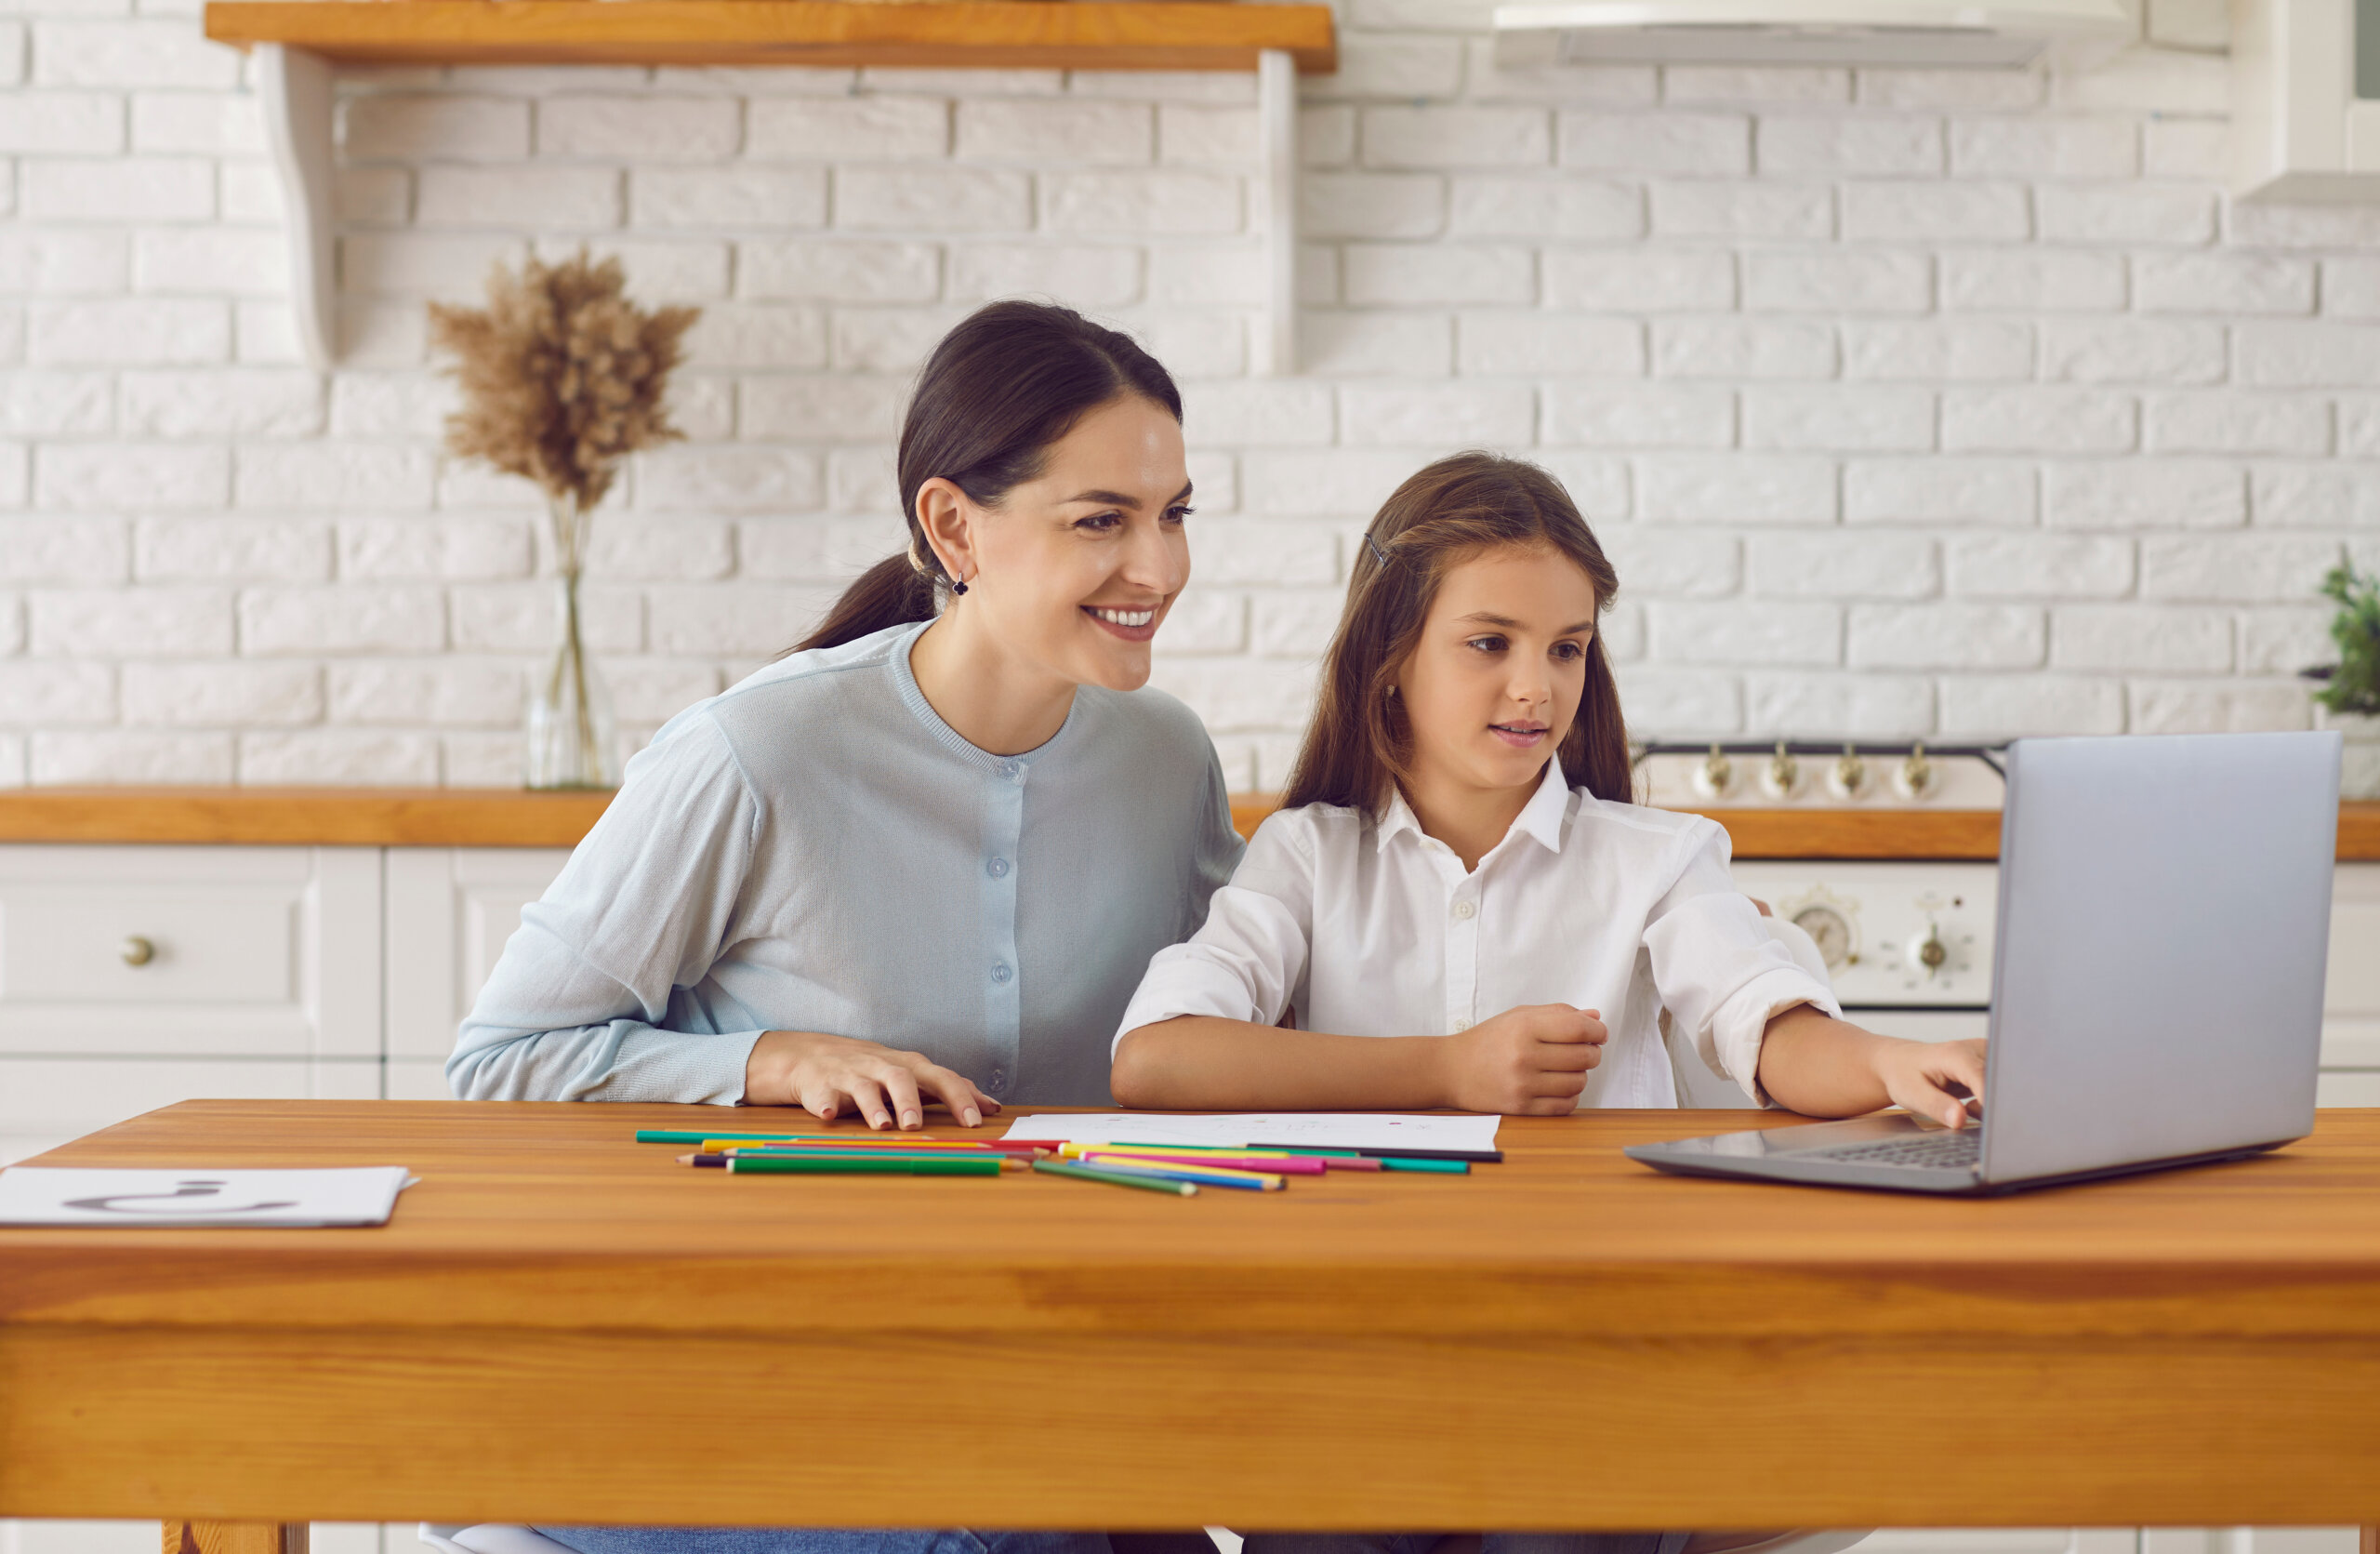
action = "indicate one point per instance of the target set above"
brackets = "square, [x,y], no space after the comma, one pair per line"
[563,1324]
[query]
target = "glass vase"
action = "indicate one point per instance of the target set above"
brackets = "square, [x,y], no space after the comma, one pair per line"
[572,742]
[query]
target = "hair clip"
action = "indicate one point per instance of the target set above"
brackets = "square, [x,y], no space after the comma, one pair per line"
[1378,555]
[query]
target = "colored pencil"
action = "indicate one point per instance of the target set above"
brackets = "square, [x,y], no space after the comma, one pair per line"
[1485,1157]
[1271,1165]
[1115,1179]
[720,1157]
[857,1165]
[1335,1160]
[1237,1161]
[1441,1167]
[684,1135]
[1206,1175]
[928,1145]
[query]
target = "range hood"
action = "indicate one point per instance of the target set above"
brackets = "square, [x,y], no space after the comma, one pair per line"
[1908,32]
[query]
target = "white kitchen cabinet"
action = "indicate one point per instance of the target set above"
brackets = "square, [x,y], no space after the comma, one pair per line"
[449,911]
[131,977]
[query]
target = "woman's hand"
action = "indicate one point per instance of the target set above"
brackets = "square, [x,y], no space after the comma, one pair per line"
[1942,1081]
[1528,1061]
[828,1074]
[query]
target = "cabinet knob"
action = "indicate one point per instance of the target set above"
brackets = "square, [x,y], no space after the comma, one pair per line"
[138,951]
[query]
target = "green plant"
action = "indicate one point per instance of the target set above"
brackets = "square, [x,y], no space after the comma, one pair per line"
[2353,683]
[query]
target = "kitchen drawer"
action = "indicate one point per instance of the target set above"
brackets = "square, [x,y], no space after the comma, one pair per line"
[190,951]
[449,913]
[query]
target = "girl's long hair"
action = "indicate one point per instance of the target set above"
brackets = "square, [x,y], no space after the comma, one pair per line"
[1003,386]
[1359,745]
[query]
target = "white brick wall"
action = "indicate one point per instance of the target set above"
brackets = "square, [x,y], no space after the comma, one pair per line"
[1909,402]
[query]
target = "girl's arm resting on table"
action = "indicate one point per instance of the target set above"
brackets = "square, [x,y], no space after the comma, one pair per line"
[1822,1067]
[1531,1060]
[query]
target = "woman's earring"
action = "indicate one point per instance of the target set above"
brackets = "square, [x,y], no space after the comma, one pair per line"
[958,588]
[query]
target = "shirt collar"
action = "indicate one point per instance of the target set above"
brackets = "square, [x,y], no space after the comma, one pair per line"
[1540,819]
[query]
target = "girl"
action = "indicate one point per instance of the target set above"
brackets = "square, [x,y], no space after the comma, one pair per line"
[954,821]
[1457,863]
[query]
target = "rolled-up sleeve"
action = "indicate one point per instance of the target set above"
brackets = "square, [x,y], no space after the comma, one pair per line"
[1245,961]
[573,1010]
[1721,973]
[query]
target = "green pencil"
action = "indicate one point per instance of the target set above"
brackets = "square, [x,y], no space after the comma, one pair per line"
[1115,1179]
[1410,1162]
[681,1135]
[852,1166]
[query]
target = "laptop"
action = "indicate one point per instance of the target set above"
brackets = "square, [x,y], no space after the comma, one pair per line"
[2157,987]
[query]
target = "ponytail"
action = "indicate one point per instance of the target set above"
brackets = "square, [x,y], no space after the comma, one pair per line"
[1009,381]
[889,593]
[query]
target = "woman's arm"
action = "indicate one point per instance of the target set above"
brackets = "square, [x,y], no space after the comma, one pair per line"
[1822,1067]
[1523,1061]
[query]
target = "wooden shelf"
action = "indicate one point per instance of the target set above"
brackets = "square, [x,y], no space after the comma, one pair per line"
[507,817]
[1003,35]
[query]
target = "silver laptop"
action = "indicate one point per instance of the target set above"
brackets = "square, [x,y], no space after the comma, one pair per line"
[2157,993]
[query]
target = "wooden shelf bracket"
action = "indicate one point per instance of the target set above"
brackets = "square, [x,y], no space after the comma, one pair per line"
[293,88]
[1276,109]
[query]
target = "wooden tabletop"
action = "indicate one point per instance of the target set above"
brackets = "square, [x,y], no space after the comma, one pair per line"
[561,1323]
[508,817]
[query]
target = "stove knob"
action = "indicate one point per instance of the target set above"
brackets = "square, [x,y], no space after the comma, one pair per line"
[1915,778]
[1776,779]
[1712,778]
[1929,954]
[1848,775]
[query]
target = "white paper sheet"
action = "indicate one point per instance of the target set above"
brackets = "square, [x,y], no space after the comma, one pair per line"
[1315,1130]
[51,1195]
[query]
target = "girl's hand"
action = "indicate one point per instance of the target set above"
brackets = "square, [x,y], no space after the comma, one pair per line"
[1938,1080]
[1528,1061]
[828,1074]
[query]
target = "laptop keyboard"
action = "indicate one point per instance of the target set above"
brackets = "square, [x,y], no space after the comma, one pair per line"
[1933,1151]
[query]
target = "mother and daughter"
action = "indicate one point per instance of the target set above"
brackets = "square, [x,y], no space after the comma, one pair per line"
[951,852]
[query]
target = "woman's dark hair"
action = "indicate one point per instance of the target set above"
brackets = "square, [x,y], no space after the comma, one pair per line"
[1360,745]
[1004,385]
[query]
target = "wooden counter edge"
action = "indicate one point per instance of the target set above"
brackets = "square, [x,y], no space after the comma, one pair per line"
[510,818]
[302,816]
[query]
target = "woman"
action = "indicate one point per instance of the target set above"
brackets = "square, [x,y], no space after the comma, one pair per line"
[952,817]
[968,829]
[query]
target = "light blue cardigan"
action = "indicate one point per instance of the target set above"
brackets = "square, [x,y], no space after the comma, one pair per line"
[817,850]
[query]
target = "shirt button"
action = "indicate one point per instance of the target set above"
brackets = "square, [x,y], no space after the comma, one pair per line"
[1463,911]
[1001,972]
[999,1079]
[1012,770]
[1462,1026]
[997,868]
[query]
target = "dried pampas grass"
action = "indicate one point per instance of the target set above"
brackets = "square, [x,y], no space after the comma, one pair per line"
[562,376]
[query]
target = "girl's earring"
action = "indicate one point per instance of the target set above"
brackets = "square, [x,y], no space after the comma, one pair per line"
[958,588]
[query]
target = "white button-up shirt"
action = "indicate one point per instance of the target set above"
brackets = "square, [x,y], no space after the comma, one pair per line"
[1371,927]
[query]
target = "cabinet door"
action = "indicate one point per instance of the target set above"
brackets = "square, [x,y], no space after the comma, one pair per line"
[131,977]
[448,914]
[2351,990]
